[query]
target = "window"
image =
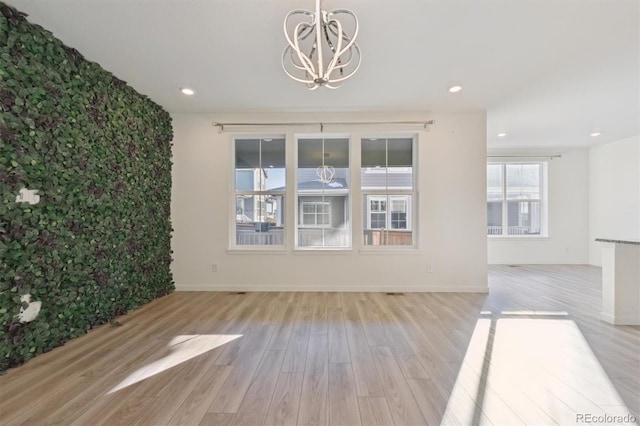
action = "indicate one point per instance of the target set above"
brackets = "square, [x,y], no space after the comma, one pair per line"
[315,213]
[388,211]
[259,191]
[515,199]
[323,193]
[388,191]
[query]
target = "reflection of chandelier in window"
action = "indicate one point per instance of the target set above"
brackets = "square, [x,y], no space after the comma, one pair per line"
[326,173]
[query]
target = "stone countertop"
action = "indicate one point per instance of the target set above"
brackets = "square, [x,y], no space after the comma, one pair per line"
[606,240]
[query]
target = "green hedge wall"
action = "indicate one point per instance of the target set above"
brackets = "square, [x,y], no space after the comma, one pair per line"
[98,243]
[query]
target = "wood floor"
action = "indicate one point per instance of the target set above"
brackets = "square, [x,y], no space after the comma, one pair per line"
[533,351]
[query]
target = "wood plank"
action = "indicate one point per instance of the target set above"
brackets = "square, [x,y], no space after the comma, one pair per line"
[429,399]
[284,327]
[319,316]
[255,405]
[364,369]
[314,404]
[343,401]
[217,419]
[286,400]
[338,344]
[375,411]
[236,385]
[402,405]
[195,407]
[296,355]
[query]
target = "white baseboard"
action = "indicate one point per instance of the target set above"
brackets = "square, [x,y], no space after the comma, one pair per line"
[554,263]
[367,289]
[620,319]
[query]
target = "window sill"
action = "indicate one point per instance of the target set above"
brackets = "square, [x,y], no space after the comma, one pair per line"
[257,251]
[389,250]
[322,250]
[518,238]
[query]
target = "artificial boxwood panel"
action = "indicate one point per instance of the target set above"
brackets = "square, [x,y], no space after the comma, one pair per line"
[98,243]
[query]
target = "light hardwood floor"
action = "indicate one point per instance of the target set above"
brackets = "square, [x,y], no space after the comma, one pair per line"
[533,351]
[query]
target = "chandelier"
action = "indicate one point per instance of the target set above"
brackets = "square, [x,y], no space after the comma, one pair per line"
[320,52]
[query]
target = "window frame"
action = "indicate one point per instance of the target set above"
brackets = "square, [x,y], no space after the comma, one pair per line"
[388,199]
[353,197]
[301,212]
[542,200]
[389,193]
[297,194]
[234,194]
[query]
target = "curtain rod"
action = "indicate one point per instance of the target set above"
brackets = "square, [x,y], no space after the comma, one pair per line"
[221,126]
[525,156]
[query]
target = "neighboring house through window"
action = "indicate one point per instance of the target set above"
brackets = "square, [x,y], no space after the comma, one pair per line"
[388,191]
[516,199]
[259,191]
[323,193]
[315,213]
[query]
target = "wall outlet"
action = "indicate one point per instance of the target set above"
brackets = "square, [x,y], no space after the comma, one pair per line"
[429,268]
[214,267]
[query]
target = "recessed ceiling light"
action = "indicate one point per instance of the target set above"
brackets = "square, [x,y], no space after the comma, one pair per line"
[271,166]
[502,135]
[187,91]
[455,89]
[267,140]
[595,134]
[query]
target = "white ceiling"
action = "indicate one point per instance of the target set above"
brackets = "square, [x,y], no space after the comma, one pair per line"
[548,72]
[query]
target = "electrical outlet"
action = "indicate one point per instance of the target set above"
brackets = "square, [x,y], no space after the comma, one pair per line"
[214,267]
[429,268]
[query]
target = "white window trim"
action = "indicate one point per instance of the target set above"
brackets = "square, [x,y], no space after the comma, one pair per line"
[544,206]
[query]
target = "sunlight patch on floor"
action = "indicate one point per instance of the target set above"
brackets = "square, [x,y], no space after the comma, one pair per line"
[532,367]
[183,348]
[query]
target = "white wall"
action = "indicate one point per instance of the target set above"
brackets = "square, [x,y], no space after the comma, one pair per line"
[614,193]
[452,214]
[568,208]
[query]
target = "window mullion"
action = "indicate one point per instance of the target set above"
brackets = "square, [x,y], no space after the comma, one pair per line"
[505,204]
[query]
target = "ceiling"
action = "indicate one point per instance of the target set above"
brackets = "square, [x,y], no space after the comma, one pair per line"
[548,72]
